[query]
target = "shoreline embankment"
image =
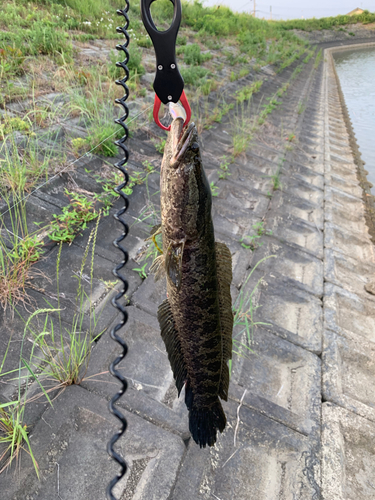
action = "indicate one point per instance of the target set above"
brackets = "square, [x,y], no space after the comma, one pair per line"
[368,197]
[300,411]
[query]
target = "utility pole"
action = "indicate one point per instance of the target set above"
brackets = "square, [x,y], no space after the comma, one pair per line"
[254,7]
[271,13]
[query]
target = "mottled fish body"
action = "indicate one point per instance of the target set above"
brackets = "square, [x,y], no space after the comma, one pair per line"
[196,319]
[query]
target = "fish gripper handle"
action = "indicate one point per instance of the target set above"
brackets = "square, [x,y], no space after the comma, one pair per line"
[116,301]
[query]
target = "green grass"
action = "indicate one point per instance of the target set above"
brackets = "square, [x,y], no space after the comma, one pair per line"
[325,22]
[195,76]
[252,241]
[13,430]
[245,93]
[66,352]
[244,322]
[63,355]
[74,218]
[14,434]
[193,54]
[23,165]
[318,59]
[19,250]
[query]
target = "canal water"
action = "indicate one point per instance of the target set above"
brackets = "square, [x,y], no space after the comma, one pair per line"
[356,71]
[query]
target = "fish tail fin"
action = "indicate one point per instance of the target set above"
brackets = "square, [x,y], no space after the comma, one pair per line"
[204,423]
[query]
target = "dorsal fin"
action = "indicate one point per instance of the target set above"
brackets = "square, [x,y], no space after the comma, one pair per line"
[172,343]
[224,279]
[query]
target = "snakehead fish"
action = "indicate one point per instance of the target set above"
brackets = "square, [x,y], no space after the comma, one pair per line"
[196,319]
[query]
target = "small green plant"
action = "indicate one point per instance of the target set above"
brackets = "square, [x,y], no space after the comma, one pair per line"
[74,218]
[246,92]
[47,40]
[224,168]
[243,311]
[267,109]
[252,242]
[218,112]
[9,125]
[275,178]
[276,184]
[19,250]
[193,55]
[13,431]
[214,189]
[243,128]
[309,56]
[240,143]
[135,61]
[11,61]
[283,89]
[159,144]
[144,41]
[318,59]
[78,144]
[65,353]
[100,138]
[296,72]
[141,271]
[301,107]
[194,76]
[181,40]
[209,86]
[13,434]
[234,76]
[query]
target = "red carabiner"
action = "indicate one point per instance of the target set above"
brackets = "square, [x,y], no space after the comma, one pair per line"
[185,104]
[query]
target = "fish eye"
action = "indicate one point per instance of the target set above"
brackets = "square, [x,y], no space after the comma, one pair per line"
[195,147]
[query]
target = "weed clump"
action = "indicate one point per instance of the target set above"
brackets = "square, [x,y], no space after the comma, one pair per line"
[194,76]
[193,55]
[73,219]
[46,40]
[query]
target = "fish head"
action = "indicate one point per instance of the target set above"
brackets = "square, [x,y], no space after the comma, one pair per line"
[185,191]
[182,145]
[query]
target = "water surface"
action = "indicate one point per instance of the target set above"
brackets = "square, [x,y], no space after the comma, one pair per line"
[356,70]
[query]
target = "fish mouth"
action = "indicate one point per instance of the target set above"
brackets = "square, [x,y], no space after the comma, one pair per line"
[182,140]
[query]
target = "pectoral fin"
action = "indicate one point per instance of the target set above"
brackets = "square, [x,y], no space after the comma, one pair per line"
[172,343]
[173,262]
[224,278]
[158,268]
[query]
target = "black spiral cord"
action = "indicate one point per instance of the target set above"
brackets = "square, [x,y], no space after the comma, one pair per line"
[117,243]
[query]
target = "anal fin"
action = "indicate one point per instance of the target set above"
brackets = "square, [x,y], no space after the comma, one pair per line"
[172,343]
[224,278]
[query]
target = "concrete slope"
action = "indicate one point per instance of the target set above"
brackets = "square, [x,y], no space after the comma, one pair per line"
[301,409]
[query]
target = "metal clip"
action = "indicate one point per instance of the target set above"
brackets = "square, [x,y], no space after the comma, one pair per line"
[168,83]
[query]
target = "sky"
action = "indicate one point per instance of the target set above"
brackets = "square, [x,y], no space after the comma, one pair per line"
[293,9]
